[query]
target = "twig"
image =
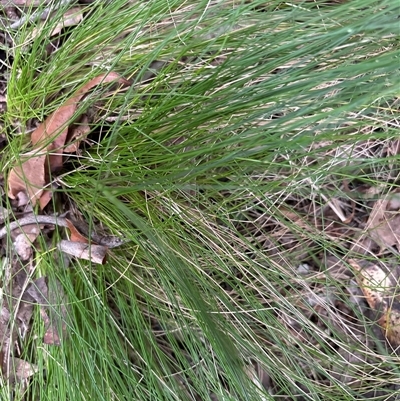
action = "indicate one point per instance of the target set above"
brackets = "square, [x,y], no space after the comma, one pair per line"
[41,219]
[108,241]
[40,14]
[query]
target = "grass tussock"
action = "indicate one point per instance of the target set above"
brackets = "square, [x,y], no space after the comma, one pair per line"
[241,166]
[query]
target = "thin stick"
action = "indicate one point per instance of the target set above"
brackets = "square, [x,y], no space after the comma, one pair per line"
[40,14]
[57,221]
[108,241]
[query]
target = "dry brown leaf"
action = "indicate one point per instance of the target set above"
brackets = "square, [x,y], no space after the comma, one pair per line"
[77,134]
[384,225]
[51,336]
[23,245]
[6,333]
[45,199]
[23,200]
[51,135]
[38,292]
[4,213]
[23,239]
[76,236]
[21,370]
[30,178]
[58,314]
[379,288]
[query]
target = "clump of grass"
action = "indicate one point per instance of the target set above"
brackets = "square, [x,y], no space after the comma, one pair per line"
[218,165]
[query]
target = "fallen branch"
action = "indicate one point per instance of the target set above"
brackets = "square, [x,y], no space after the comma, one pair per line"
[57,221]
[108,241]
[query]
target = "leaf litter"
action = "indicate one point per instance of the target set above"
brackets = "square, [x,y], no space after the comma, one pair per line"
[29,184]
[376,283]
[359,314]
[49,140]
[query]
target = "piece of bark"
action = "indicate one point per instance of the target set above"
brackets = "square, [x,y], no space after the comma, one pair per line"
[95,253]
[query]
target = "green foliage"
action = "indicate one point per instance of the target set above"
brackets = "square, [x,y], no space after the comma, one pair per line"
[239,111]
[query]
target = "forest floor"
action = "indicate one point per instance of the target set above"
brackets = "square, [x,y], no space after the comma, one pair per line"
[200,200]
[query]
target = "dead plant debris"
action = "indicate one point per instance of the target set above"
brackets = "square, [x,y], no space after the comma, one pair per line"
[32,173]
[28,183]
[371,289]
[380,287]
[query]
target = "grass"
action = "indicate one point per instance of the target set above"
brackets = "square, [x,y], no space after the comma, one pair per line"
[220,165]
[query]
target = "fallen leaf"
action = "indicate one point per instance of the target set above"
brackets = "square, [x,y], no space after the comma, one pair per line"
[45,198]
[23,245]
[24,318]
[76,236]
[51,336]
[5,334]
[37,292]
[77,134]
[29,177]
[23,237]
[381,293]
[21,370]
[23,199]
[384,225]
[58,314]
[4,213]
[52,133]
